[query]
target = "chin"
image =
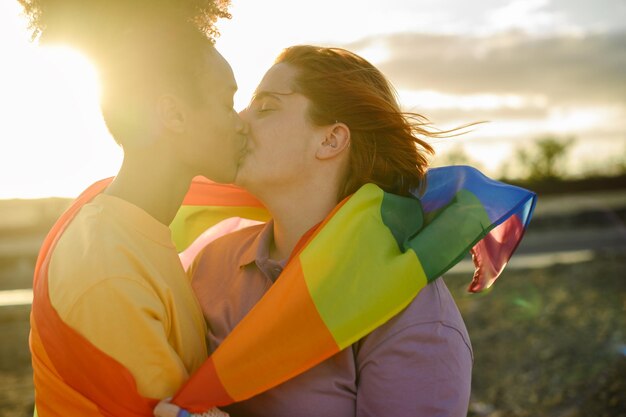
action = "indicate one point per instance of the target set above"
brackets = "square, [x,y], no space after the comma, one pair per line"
[222,177]
[238,182]
[251,187]
[242,177]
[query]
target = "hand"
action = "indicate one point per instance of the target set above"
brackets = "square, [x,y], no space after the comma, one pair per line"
[166,409]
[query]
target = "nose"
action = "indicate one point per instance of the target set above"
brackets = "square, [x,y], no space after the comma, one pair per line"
[241,126]
[243,114]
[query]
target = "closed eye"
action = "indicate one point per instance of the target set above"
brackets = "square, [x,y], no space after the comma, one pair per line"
[265,102]
[266,106]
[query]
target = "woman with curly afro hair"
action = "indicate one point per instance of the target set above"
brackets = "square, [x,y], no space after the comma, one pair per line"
[115,322]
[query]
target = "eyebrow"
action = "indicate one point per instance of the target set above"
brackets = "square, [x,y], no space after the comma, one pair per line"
[261,94]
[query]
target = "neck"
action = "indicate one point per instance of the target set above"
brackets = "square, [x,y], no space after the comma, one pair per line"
[151,184]
[296,212]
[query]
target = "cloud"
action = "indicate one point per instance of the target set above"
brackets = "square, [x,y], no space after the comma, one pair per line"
[461,116]
[529,15]
[597,15]
[567,70]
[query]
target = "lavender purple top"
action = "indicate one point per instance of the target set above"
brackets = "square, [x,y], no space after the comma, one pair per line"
[419,363]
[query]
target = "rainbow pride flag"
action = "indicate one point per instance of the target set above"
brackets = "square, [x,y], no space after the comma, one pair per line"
[365,263]
[362,265]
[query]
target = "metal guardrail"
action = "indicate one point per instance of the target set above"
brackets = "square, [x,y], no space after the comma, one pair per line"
[16,297]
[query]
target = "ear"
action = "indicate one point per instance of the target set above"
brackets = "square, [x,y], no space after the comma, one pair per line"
[337,140]
[171,113]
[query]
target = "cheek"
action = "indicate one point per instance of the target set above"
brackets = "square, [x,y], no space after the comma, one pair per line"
[286,133]
[264,136]
[281,139]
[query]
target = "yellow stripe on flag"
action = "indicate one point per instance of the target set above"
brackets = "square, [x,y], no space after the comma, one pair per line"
[191,221]
[357,305]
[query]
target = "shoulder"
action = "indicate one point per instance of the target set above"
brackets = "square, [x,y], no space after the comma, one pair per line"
[419,362]
[223,284]
[432,318]
[231,247]
[96,254]
[93,246]
[90,241]
[220,262]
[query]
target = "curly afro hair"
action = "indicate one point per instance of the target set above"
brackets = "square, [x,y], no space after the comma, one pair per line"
[140,48]
[62,19]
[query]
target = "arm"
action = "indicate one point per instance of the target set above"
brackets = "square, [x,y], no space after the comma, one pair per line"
[420,370]
[128,321]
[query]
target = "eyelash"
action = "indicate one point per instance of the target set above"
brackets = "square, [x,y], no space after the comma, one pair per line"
[263,109]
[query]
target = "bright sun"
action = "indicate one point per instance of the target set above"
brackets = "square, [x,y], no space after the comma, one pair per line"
[52,130]
[56,128]
[55,143]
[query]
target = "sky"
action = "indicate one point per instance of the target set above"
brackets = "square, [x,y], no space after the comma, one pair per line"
[530,68]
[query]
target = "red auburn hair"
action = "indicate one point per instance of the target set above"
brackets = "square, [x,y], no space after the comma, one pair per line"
[386,147]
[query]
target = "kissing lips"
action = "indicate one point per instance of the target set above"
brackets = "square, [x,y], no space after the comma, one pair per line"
[244,150]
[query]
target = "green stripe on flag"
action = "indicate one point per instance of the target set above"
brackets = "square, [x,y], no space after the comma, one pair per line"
[448,237]
[403,216]
[349,265]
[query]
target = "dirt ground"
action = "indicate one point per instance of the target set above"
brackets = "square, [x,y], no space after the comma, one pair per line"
[547,342]
[16,393]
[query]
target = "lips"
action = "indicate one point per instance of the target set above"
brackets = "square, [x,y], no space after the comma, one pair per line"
[244,149]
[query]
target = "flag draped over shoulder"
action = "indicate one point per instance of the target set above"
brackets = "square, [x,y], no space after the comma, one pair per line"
[365,263]
[362,265]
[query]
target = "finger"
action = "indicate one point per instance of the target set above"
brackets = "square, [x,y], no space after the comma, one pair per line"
[165,409]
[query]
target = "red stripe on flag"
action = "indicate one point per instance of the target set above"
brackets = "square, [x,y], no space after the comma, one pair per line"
[493,252]
[88,374]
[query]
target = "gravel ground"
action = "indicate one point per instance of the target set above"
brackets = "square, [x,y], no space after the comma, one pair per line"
[549,342]
[16,393]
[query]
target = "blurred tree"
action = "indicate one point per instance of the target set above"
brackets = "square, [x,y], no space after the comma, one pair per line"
[620,164]
[544,160]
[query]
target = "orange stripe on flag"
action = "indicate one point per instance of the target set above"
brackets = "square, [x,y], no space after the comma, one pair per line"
[294,351]
[203,387]
[207,193]
[244,374]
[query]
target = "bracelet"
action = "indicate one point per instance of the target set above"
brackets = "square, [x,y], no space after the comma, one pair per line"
[183,413]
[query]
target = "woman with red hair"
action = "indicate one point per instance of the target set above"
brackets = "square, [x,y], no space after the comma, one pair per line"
[322,123]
